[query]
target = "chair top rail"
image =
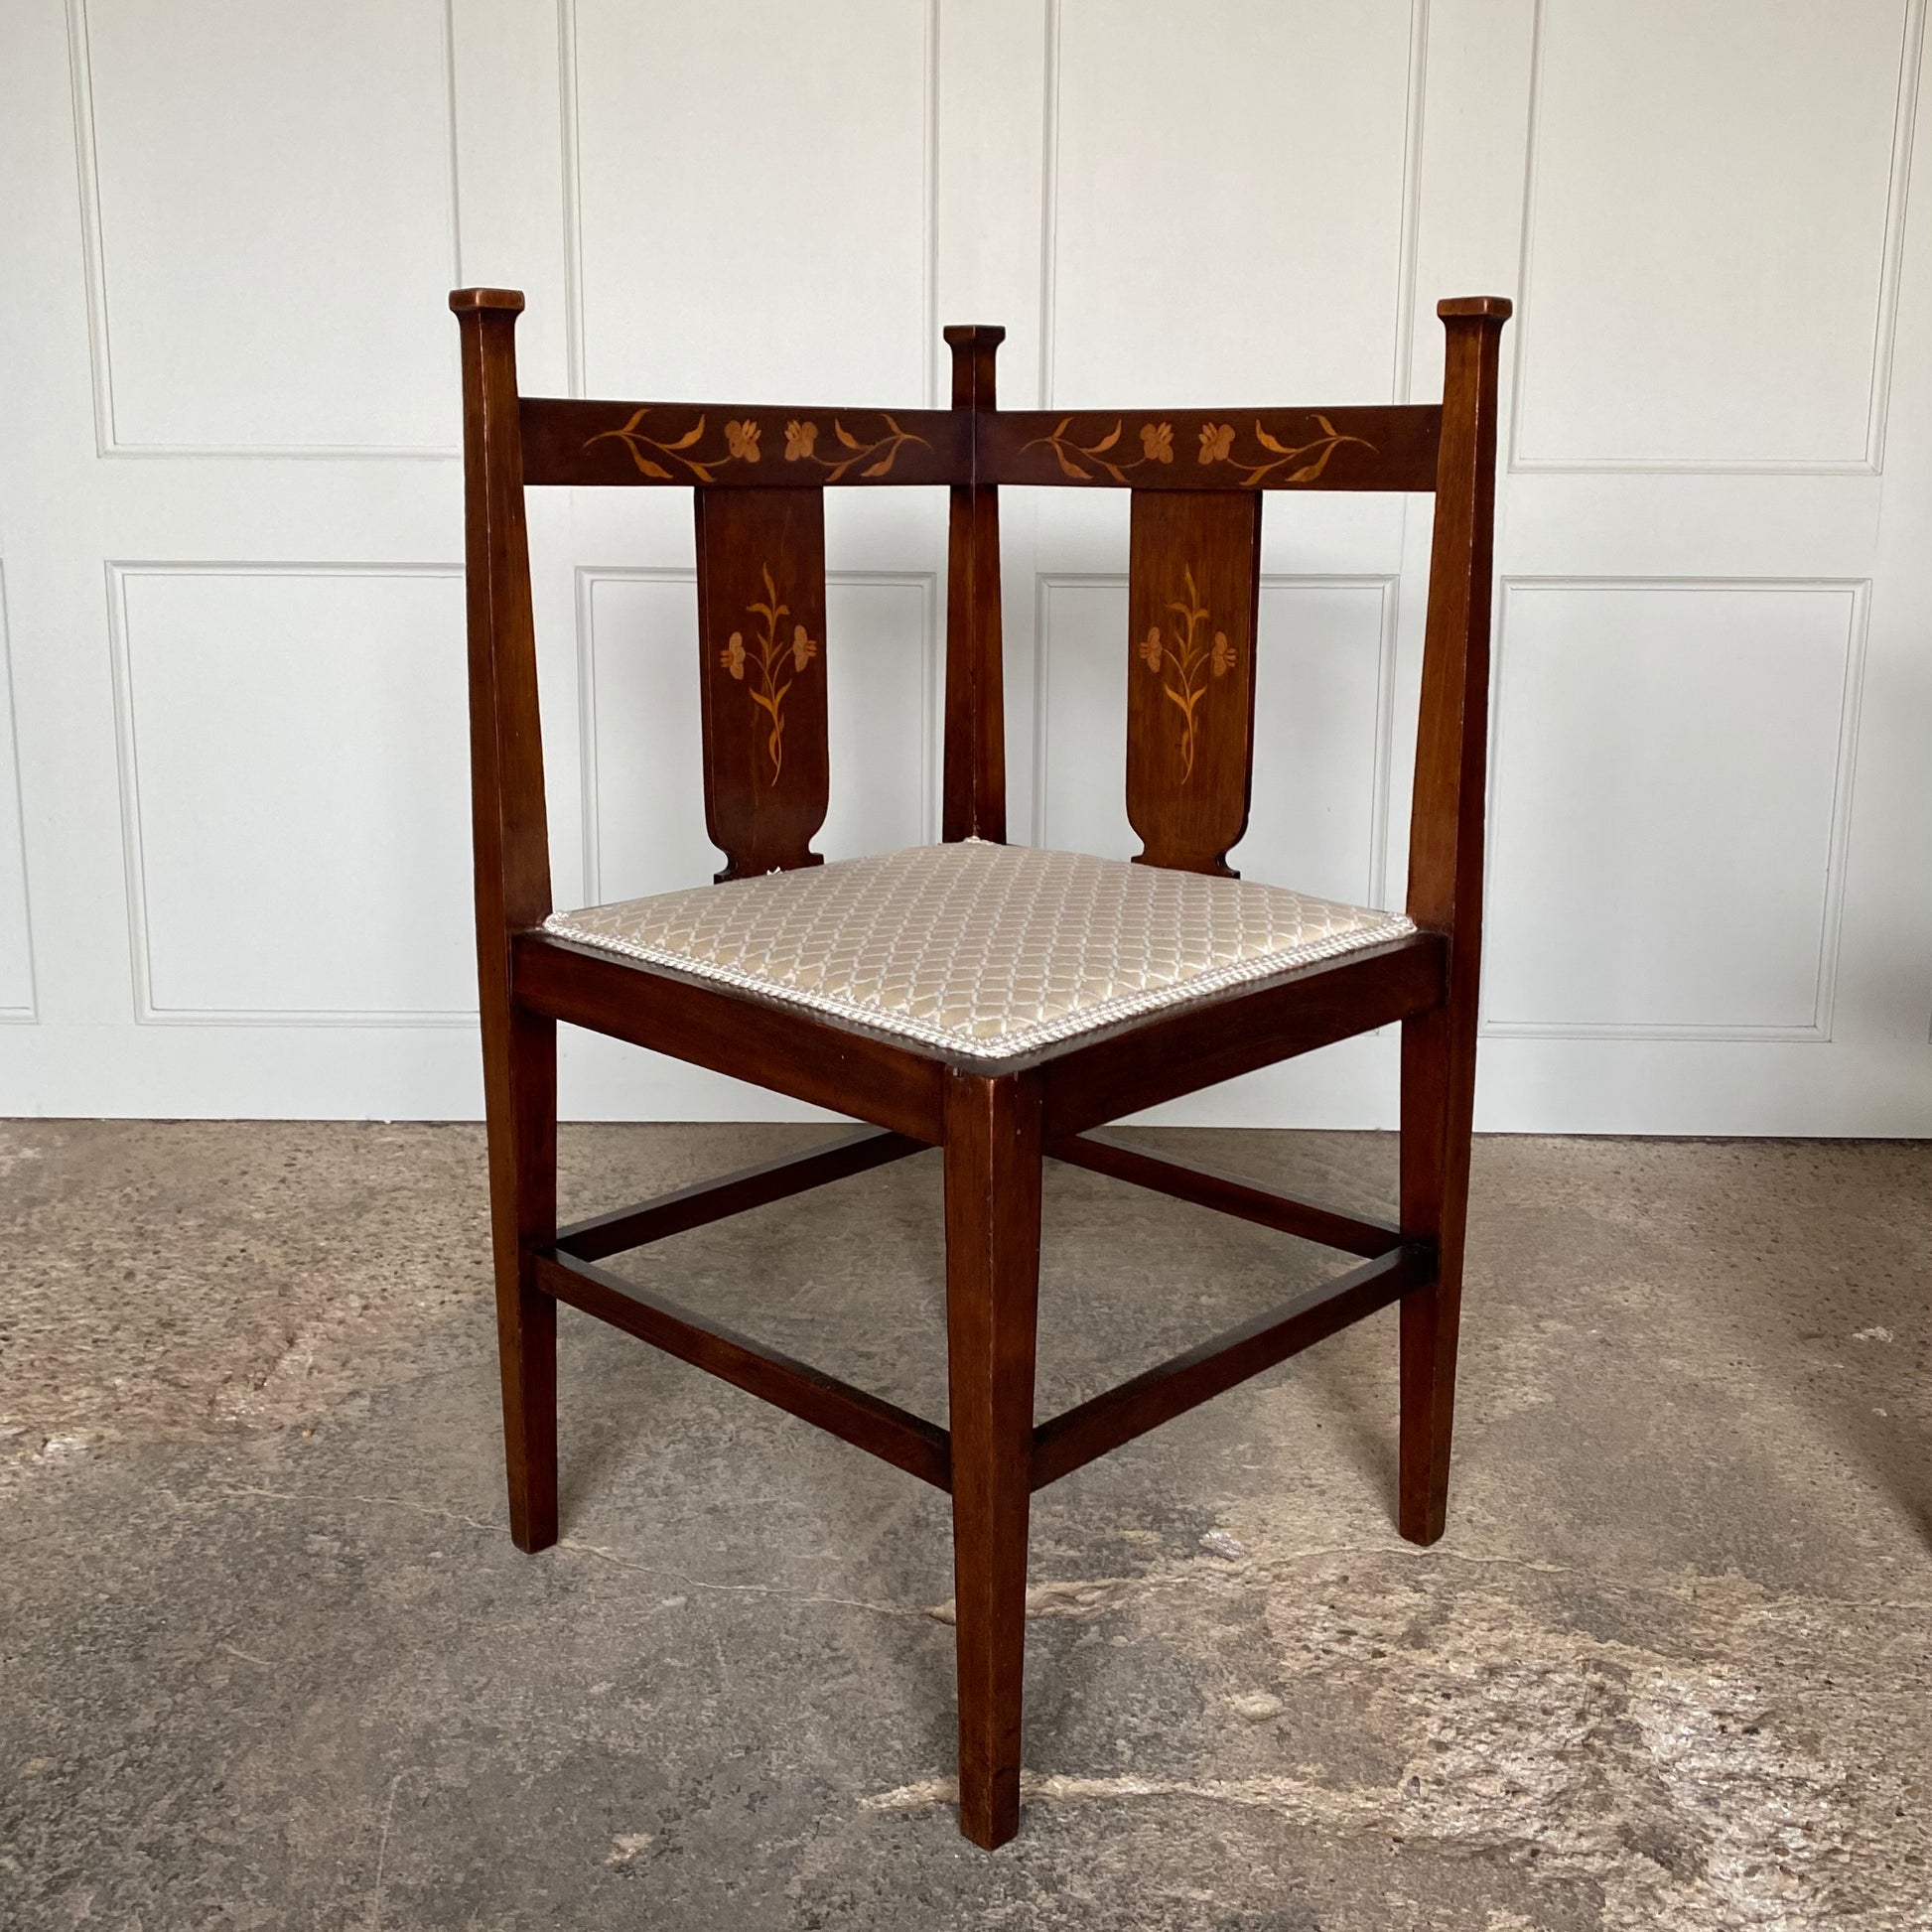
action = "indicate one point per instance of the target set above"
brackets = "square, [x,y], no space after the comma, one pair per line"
[1386,448]
[566,441]
[1389,447]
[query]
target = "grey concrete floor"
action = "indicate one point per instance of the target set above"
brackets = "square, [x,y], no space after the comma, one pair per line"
[268,1659]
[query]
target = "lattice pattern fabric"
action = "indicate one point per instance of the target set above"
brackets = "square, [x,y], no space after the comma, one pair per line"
[995,950]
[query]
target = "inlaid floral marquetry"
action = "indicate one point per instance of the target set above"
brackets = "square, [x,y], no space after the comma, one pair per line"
[1260,460]
[769,658]
[1192,585]
[1185,663]
[761,624]
[570,439]
[1368,448]
[699,455]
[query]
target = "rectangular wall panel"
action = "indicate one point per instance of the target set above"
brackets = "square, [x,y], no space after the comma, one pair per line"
[294,780]
[644,804]
[1318,815]
[1671,783]
[268,186]
[1241,237]
[1324,661]
[1714,213]
[1080,717]
[749,197]
[882,669]
[643,749]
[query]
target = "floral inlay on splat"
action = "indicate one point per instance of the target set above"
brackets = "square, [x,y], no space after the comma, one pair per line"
[743,443]
[768,658]
[1189,664]
[1082,461]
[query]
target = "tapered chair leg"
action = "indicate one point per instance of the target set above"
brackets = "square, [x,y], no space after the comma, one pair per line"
[522,1097]
[1437,1097]
[993,1164]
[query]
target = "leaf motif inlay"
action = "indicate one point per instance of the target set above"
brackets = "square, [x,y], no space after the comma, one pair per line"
[1081,462]
[741,444]
[766,659]
[1191,662]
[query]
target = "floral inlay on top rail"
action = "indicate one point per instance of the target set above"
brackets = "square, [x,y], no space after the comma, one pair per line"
[767,658]
[1216,445]
[1193,664]
[741,444]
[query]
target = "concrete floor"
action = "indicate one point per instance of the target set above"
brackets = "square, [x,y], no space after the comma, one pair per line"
[268,1659]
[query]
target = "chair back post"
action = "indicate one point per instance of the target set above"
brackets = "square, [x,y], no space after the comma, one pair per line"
[513,844]
[1452,737]
[974,797]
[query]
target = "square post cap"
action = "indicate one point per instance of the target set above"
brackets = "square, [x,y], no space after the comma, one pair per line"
[468,301]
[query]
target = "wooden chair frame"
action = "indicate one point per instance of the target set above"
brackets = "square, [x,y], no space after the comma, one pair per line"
[994,1122]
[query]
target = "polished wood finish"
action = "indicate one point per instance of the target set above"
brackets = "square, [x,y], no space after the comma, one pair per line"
[974,799]
[1235,448]
[761,673]
[892,1084]
[1093,1080]
[1193,593]
[522,1111]
[1227,1193]
[1185,1381]
[759,474]
[734,446]
[993,1171]
[1439,1047]
[882,1429]
[512,842]
[704,1201]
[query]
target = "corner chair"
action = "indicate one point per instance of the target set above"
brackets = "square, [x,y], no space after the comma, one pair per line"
[993,1001]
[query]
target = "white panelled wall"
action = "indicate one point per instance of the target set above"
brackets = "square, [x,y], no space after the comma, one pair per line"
[234,833]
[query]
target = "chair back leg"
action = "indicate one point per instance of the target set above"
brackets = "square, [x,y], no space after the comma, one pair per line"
[993,1173]
[1438,1102]
[520,1090]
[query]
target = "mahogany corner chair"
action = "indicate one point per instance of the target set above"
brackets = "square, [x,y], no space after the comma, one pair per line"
[988,999]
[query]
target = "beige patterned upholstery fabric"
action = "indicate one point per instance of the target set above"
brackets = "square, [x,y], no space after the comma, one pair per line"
[995,950]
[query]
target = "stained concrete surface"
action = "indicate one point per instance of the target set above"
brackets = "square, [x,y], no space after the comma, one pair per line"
[268,1659]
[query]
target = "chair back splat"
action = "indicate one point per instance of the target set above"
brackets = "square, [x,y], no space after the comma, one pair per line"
[992,1000]
[761,635]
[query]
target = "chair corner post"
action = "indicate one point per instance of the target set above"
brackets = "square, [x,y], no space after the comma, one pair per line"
[1451,741]
[1446,870]
[975,783]
[513,892]
[506,749]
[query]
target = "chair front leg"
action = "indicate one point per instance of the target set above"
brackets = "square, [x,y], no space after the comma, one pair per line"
[520,1087]
[993,1175]
[1438,1103]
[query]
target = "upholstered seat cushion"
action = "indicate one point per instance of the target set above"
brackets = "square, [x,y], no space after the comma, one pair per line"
[995,950]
